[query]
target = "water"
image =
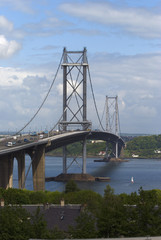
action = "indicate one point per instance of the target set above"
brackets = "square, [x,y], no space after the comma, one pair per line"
[146,174]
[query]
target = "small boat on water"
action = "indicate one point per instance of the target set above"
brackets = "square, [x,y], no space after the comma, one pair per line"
[132,180]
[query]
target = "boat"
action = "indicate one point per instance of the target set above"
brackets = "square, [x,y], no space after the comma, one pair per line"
[132,180]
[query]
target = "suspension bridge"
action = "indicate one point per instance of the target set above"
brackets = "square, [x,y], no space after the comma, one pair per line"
[72,126]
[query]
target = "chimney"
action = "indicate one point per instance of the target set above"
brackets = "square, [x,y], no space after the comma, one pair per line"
[62,203]
[1,202]
[46,206]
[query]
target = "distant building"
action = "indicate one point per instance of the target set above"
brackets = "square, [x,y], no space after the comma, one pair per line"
[157,151]
[102,153]
[135,155]
[96,141]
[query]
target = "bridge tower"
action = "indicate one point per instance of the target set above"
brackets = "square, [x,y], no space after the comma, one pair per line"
[112,120]
[74,97]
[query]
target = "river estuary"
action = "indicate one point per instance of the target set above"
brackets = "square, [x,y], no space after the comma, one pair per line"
[145,172]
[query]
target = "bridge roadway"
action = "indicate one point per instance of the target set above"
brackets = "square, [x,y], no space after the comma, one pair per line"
[36,150]
[61,139]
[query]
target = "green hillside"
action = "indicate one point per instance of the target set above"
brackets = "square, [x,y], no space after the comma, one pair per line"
[75,149]
[144,146]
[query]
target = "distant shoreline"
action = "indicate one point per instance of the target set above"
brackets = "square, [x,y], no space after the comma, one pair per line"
[111,160]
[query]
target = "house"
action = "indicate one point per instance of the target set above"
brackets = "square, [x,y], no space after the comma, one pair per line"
[56,215]
[102,153]
[157,151]
[135,155]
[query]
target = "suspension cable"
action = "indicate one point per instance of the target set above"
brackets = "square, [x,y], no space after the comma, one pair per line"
[44,98]
[95,100]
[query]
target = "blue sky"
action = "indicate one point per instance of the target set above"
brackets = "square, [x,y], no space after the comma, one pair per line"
[122,38]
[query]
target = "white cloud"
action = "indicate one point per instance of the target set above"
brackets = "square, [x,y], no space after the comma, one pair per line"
[7,29]
[46,27]
[10,77]
[8,48]
[20,5]
[139,21]
[5,25]
[70,88]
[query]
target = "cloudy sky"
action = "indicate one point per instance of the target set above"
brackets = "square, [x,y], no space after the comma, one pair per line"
[122,38]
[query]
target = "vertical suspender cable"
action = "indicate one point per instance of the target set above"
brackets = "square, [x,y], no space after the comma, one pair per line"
[95,101]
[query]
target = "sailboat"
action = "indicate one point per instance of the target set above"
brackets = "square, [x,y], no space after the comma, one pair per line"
[132,180]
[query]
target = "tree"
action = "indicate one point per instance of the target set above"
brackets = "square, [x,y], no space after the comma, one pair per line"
[14,223]
[16,196]
[85,227]
[38,197]
[71,186]
[148,213]
[39,226]
[56,233]
[112,220]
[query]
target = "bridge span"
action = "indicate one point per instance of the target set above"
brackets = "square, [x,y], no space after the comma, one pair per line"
[37,149]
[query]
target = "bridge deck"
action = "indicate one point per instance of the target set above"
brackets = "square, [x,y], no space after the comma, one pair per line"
[59,140]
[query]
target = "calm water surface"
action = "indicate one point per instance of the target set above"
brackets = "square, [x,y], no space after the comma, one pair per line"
[146,174]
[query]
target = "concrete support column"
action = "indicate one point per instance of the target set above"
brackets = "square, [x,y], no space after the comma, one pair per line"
[64,159]
[84,156]
[122,153]
[20,156]
[38,168]
[116,149]
[6,171]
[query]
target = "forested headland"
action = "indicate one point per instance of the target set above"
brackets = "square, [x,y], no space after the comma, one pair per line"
[144,146]
[137,214]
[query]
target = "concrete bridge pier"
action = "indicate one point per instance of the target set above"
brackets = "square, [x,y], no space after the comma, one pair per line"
[6,171]
[20,156]
[117,149]
[122,153]
[38,167]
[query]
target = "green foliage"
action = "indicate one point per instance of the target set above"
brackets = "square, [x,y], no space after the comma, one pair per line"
[53,197]
[87,198]
[71,186]
[56,233]
[85,227]
[17,223]
[148,217]
[14,224]
[112,219]
[129,199]
[144,146]
[75,149]
[15,196]
[39,226]
[38,197]
[128,215]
